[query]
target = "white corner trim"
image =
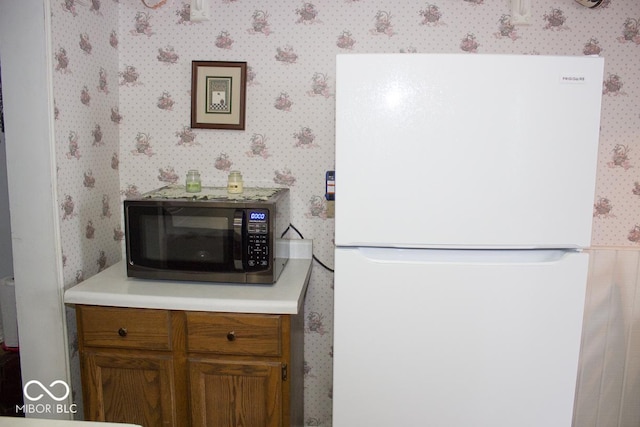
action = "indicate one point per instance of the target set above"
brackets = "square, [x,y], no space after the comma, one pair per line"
[26,57]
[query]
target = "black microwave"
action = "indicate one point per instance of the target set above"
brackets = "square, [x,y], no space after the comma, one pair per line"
[207,236]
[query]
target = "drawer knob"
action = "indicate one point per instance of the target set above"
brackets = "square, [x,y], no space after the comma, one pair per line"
[122,332]
[231,336]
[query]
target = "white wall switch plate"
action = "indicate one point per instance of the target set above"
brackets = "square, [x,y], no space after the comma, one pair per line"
[199,10]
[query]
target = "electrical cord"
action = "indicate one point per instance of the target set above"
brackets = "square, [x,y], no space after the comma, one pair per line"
[291,226]
[155,6]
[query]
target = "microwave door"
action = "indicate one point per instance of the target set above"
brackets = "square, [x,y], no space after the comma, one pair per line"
[150,242]
[201,239]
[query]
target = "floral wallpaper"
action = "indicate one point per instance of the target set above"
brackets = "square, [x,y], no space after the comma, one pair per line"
[122,80]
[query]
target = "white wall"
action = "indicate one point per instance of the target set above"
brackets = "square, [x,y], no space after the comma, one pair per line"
[609,373]
[6,256]
[25,52]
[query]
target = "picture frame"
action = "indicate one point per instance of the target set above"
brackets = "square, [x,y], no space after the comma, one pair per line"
[218,94]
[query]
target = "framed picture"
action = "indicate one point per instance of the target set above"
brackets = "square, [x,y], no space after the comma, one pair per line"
[218,94]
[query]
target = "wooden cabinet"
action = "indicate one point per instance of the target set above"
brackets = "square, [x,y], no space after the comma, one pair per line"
[130,371]
[129,388]
[182,368]
[226,393]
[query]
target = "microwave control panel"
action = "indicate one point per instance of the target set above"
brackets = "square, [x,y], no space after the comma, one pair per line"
[258,239]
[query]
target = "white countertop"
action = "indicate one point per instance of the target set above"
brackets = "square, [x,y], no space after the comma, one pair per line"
[112,287]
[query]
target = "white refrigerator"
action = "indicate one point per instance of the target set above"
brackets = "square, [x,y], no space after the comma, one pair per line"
[464,197]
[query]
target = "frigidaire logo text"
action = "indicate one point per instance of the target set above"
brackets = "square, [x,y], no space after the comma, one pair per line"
[573,79]
[34,391]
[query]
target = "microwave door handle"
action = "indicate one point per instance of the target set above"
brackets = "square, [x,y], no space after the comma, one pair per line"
[238,222]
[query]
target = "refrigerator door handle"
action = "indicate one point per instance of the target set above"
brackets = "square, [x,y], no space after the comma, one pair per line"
[453,256]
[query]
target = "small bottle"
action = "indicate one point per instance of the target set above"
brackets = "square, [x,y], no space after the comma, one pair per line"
[234,183]
[193,184]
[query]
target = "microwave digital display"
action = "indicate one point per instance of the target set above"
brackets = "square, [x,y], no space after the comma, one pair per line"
[257,216]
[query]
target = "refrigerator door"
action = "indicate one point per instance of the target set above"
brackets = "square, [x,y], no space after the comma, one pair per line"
[456,338]
[447,150]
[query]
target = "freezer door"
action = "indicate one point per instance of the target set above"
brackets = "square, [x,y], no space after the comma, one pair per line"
[456,339]
[452,150]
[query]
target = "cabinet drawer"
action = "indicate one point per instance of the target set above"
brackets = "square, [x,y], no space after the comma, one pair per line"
[125,327]
[238,334]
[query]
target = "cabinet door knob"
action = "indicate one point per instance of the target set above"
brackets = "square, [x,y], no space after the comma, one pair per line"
[231,336]
[122,332]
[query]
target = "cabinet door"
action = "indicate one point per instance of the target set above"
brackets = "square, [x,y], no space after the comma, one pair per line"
[136,389]
[229,393]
